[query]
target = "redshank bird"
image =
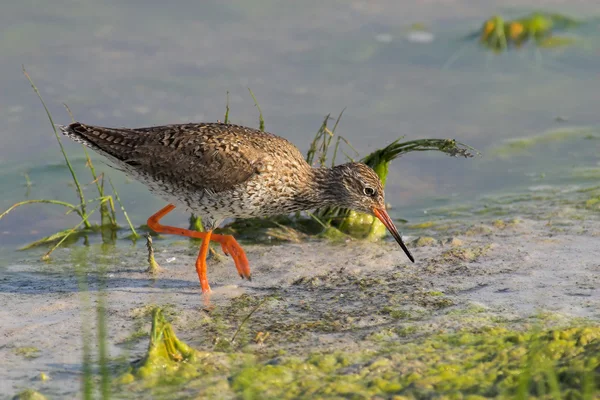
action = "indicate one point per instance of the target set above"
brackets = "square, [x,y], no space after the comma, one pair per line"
[222,171]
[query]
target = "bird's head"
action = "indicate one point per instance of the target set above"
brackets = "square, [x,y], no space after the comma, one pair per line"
[360,189]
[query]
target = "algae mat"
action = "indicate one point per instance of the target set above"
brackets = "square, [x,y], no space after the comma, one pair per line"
[491,308]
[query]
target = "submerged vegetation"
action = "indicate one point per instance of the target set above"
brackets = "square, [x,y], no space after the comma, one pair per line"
[484,362]
[540,28]
[525,145]
[331,223]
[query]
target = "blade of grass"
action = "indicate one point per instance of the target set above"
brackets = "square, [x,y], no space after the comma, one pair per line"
[332,133]
[588,385]
[226,118]
[135,234]
[27,180]
[312,151]
[90,165]
[317,219]
[83,220]
[48,239]
[248,317]
[62,149]
[70,206]
[261,121]
[335,150]
[102,338]
[105,218]
[81,273]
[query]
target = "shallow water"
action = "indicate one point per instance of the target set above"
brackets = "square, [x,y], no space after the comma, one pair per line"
[119,64]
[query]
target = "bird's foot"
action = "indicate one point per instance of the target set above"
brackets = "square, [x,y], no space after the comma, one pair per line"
[232,248]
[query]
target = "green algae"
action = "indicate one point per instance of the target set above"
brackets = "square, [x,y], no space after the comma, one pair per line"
[454,242]
[478,230]
[481,363]
[500,35]
[27,352]
[522,146]
[424,241]
[468,254]
[170,362]
[333,234]
[29,394]
[423,225]
[487,362]
[168,359]
[475,362]
[505,224]
[364,226]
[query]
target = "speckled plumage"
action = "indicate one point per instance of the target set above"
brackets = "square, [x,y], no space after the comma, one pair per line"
[224,171]
[217,170]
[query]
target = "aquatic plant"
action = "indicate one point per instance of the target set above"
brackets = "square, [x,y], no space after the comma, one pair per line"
[336,222]
[362,225]
[108,225]
[498,34]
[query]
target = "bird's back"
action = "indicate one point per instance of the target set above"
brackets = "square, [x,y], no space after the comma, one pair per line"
[203,158]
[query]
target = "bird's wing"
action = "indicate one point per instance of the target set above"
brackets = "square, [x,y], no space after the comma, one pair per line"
[211,157]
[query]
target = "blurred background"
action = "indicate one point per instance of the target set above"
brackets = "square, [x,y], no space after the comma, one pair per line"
[398,68]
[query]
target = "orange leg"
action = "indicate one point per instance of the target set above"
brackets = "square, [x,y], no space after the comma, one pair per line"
[201,263]
[228,244]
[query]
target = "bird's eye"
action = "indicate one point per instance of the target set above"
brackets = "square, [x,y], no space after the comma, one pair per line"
[369,191]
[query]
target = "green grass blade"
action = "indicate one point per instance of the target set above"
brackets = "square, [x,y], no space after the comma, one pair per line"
[226,118]
[70,206]
[83,220]
[90,165]
[81,271]
[102,338]
[261,121]
[133,231]
[248,317]
[48,239]
[312,150]
[62,149]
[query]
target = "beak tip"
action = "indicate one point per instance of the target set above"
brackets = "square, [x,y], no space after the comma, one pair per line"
[387,221]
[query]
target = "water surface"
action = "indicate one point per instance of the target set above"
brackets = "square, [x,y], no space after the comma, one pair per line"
[137,63]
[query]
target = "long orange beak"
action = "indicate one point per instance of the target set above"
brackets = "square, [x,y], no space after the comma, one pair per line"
[387,221]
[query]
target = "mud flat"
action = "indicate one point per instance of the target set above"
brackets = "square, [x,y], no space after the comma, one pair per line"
[510,274]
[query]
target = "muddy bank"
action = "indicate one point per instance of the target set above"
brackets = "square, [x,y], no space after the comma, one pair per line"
[321,296]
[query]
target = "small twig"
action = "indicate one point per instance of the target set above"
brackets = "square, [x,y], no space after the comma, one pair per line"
[248,317]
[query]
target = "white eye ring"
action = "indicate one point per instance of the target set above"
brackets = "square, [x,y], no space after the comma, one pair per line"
[369,191]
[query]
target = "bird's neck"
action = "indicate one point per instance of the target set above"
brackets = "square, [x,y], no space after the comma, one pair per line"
[324,186]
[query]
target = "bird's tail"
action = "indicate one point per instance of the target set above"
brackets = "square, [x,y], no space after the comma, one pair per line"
[117,143]
[74,132]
